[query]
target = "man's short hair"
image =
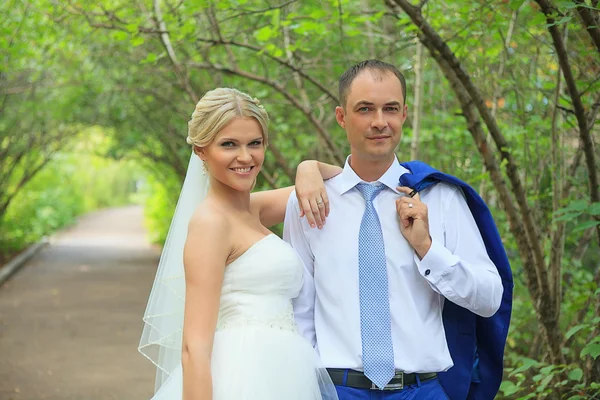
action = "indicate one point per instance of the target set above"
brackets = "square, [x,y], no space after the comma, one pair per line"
[372,65]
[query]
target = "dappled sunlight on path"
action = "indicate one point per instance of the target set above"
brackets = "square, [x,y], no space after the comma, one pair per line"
[70,320]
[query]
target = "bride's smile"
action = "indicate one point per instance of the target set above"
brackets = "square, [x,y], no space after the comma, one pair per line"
[236,155]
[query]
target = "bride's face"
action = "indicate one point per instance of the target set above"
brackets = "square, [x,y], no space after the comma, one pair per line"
[236,154]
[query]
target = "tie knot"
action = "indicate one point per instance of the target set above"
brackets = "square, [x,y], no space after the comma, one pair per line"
[368,191]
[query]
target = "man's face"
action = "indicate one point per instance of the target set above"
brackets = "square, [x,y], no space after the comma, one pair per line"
[373,116]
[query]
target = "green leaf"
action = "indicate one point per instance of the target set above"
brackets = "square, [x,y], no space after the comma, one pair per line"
[539,19]
[376,17]
[527,397]
[263,34]
[585,225]
[567,217]
[515,4]
[563,20]
[509,388]
[187,29]
[119,35]
[275,18]
[150,58]
[577,205]
[545,382]
[594,209]
[137,41]
[527,363]
[576,374]
[353,32]
[132,28]
[593,349]
[306,27]
[574,330]
[277,52]
[548,369]
[318,13]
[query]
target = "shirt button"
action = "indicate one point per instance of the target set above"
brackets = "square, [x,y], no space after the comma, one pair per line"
[427,272]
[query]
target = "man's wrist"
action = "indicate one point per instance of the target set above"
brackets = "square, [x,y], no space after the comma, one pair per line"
[423,248]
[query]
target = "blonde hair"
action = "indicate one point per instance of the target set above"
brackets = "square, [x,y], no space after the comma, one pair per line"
[219,107]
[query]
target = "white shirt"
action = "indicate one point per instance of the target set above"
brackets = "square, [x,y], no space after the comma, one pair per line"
[456,267]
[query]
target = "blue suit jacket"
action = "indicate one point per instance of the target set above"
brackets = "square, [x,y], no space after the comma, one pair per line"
[476,344]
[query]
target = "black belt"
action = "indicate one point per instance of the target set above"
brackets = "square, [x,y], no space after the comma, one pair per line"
[357,379]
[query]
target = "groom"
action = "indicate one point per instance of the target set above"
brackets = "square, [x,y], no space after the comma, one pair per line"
[379,272]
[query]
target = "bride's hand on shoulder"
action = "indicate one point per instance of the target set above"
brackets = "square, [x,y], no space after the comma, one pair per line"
[311,192]
[270,205]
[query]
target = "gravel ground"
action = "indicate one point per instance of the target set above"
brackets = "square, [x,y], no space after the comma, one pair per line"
[70,320]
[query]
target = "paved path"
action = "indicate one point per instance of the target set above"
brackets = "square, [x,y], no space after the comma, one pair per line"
[70,320]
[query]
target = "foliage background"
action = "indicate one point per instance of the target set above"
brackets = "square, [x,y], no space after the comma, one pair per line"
[95,97]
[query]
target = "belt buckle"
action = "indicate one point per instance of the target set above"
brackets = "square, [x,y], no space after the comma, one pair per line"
[392,386]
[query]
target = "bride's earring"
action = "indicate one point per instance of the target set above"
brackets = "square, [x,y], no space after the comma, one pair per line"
[200,153]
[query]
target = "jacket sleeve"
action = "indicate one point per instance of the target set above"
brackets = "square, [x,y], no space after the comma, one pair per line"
[459,268]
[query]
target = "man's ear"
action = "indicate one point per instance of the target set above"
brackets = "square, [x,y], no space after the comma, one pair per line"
[340,116]
[200,152]
[405,109]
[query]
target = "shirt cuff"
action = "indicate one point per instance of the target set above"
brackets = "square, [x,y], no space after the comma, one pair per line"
[437,262]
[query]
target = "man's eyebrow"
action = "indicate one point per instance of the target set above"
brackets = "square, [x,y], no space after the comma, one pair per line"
[368,103]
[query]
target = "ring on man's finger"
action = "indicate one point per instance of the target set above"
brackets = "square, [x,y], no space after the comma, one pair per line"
[410,205]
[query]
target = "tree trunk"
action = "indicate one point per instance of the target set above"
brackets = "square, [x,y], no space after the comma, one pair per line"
[416,126]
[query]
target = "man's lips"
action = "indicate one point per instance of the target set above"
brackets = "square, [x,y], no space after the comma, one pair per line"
[378,137]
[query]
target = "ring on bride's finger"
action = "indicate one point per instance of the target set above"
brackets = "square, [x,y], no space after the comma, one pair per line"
[410,205]
[320,202]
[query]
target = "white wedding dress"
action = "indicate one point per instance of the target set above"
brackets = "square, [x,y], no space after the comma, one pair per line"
[257,352]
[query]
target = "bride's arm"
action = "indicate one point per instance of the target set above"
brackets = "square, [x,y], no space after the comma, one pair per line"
[270,205]
[205,254]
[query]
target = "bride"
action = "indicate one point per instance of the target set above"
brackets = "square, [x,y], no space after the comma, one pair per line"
[219,322]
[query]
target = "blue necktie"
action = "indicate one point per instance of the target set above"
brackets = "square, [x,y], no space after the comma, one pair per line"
[375,323]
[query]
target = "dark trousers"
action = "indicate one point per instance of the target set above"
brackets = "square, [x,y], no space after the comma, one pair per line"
[429,390]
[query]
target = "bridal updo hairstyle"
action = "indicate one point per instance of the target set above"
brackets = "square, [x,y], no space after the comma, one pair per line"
[219,107]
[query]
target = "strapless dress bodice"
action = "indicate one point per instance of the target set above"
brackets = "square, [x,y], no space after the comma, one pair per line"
[259,286]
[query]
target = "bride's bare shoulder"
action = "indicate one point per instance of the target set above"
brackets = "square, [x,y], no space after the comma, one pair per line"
[209,219]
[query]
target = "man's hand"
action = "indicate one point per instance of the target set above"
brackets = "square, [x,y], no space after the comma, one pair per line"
[414,222]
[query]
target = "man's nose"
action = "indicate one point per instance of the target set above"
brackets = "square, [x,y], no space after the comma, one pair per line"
[379,121]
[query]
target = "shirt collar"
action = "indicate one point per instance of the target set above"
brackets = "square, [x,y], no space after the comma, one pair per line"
[391,178]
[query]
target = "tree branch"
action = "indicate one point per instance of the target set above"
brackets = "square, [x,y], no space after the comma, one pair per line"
[166,41]
[590,23]
[584,132]
[279,61]
[439,46]
[282,161]
[330,145]
[269,177]
[264,10]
